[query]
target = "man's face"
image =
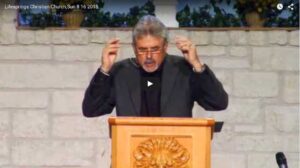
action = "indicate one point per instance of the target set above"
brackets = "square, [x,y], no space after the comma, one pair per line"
[150,52]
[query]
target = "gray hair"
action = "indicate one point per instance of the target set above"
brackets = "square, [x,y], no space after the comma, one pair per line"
[149,25]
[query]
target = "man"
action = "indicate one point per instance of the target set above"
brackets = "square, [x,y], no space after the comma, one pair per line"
[153,83]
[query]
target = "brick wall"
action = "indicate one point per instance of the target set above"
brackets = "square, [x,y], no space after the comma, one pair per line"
[43,75]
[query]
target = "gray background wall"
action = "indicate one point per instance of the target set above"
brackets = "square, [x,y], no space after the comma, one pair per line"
[43,75]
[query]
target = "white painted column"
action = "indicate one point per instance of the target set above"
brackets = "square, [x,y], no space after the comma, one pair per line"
[165,10]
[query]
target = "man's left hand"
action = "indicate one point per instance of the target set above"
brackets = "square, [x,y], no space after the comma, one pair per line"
[189,52]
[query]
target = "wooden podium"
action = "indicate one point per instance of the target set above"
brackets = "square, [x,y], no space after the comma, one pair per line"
[145,142]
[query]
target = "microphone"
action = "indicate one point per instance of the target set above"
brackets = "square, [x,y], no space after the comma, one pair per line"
[281,160]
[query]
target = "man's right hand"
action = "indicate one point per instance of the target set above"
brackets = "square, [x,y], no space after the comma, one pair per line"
[109,54]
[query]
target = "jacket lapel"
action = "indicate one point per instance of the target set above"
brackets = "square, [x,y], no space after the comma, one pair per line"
[134,85]
[168,79]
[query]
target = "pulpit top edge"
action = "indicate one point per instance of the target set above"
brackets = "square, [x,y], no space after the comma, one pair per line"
[161,121]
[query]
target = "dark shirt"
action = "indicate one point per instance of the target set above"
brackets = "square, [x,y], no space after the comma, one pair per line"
[150,104]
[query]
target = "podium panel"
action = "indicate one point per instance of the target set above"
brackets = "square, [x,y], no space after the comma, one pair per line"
[146,142]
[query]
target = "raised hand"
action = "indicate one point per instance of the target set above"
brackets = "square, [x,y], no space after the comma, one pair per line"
[189,52]
[109,54]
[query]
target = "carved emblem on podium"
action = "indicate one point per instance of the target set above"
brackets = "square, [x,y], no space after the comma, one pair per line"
[161,152]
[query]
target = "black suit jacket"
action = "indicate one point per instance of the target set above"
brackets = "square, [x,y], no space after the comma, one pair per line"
[122,89]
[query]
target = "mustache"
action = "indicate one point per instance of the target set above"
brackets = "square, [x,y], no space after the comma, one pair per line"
[149,61]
